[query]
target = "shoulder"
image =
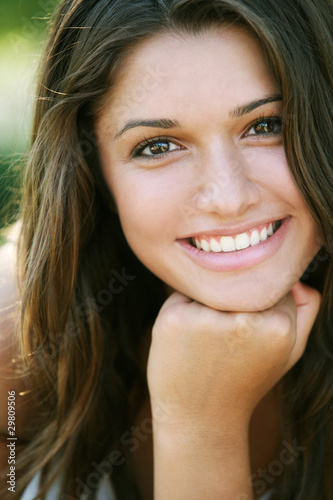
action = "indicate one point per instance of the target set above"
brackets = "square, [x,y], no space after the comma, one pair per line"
[11,378]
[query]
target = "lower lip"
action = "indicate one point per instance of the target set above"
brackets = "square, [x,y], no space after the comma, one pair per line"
[240,259]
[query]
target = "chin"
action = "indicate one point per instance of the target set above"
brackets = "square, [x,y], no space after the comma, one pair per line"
[245,302]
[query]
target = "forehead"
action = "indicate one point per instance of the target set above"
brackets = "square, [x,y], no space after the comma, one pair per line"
[177,71]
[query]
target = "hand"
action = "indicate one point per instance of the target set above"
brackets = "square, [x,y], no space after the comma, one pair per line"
[213,367]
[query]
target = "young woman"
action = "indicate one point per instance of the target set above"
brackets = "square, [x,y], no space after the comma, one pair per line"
[177,228]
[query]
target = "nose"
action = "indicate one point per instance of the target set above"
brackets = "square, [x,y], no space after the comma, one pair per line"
[224,183]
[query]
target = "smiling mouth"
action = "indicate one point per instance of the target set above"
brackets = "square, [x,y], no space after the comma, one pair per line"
[222,244]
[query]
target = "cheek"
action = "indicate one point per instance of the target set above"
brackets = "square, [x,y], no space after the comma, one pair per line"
[270,170]
[148,207]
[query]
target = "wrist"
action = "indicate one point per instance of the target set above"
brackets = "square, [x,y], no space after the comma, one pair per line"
[215,464]
[231,424]
[220,439]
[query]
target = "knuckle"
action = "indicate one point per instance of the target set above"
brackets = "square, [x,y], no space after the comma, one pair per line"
[170,319]
[205,318]
[242,324]
[282,324]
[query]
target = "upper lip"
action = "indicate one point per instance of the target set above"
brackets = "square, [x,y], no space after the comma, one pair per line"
[232,230]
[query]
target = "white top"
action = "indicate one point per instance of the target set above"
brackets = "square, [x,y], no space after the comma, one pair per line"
[266,496]
[105,491]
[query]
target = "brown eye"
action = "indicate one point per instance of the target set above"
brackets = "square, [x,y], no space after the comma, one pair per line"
[151,148]
[264,127]
[159,147]
[270,126]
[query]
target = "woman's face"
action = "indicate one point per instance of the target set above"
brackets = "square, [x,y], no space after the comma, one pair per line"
[191,149]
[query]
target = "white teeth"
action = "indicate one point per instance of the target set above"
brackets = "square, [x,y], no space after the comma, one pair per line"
[239,242]
[242,241]
[255,238]
[197,244]
[205,246]
[227,244]
[215,246]
[263,234]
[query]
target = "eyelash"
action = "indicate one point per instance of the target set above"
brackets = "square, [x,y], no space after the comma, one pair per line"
[136,153]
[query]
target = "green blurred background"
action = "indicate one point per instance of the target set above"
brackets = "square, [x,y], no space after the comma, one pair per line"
[23,24]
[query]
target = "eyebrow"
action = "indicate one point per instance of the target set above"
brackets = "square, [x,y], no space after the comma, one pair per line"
[251,106]
[162,123]
[168,124]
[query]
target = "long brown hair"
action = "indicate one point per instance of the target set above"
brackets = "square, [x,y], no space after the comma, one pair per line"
[80,334]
